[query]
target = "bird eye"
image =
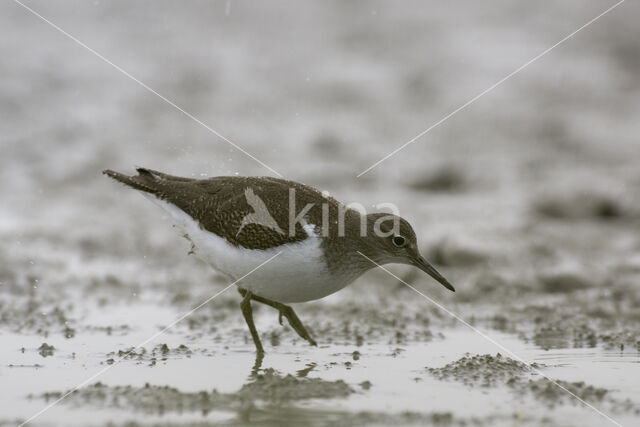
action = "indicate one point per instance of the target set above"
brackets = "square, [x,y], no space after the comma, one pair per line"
[399,241]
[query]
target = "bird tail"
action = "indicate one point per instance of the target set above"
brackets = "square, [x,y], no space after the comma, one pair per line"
[147,180]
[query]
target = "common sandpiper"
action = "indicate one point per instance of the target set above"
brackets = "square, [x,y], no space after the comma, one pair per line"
[235,223]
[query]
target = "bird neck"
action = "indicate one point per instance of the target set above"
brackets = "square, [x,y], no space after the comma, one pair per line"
[355,243]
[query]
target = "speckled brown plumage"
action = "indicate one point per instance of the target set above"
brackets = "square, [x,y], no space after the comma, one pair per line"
[219,204]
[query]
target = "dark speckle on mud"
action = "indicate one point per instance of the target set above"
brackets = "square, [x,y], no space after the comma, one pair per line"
[160,352]
[46,350]
[482,370]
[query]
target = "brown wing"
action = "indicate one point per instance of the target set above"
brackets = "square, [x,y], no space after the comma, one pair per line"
[221,204]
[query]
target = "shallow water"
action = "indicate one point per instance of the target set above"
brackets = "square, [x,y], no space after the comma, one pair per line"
[390,379]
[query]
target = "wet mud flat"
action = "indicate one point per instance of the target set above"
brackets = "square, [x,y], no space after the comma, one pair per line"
[383,357]
[75,302]
[73,306]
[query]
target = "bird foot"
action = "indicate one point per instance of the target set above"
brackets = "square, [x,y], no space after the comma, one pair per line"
[296,324]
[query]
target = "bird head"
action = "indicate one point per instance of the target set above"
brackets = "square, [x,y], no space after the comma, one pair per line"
[391,239]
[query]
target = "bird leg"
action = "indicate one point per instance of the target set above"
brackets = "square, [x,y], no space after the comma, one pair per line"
[284,310]
[247,312]
[257,365]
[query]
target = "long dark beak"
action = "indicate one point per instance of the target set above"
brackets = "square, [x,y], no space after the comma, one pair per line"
[423,265]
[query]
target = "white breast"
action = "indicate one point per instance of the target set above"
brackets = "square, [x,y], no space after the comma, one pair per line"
[299,273]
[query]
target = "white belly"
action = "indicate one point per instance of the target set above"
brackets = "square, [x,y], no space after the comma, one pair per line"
[299,273]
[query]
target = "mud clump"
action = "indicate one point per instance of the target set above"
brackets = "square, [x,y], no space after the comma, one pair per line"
[565,326]
[35,315]
[551,394]
[621,339]
[46,350]
[160,352]
[356,324]
[276,388]
[482,370]
[563,334]
[493,371]
[148,399]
